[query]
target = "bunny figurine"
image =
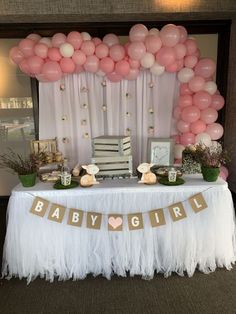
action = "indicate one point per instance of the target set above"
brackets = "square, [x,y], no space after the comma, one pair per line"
[147,176]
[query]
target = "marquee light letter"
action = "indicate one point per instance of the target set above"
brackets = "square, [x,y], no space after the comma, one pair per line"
[197,202]
[39,206]
[135,221]
[177,211]
[157,217]
[94,220]
[56,213]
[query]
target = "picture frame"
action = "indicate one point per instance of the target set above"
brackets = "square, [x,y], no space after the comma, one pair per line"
[161,151]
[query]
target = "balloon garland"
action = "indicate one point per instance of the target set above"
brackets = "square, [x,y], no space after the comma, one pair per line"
[169,49]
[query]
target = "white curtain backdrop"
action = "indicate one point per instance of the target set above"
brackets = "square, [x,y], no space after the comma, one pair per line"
[87,109]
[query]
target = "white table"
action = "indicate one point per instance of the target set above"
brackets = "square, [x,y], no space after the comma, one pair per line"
[36,246]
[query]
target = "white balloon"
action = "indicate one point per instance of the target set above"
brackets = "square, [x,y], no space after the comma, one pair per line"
[157,69]
[185,75]
[147,60]
[210,87]
[66,50]
[216,144]
[85,36]
[154,31]
[178,151]
[203,138]
[47,41]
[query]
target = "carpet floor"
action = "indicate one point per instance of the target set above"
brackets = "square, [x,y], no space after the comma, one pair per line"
[209,294]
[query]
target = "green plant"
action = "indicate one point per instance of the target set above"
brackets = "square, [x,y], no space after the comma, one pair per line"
[212,156]
[18,163]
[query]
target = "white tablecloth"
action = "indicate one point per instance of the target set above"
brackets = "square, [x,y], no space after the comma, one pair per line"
[36,246]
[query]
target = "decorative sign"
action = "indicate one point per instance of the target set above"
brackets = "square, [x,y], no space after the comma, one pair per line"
[177,211]
[115,222]
[197,202]
[157,217]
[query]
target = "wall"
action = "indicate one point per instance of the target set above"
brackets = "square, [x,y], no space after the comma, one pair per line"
[130,10]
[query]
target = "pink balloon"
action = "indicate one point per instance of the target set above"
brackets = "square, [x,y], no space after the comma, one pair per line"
[134,64]
[165,56]
[202,100]
[16,55]
[180,64]
[79,57]
[132,75]
[209,115]
[138,33]
[34,37]
[183,126]
[183,33]
[153,43]
[184,89]
[187,138]
[106,65]
[78,68]
[170,35]
[190,114]
[26,46]
[177,112]
[215,130]
[180,51]
[51,71]
[196,83]
[35,64]
[217,102]
[222,175]
[190,61]
[198,127]
[197,53]
[41,50]
[136,50]
[67,65]
[224,170]
[114,77]
[97,41]
[110,40]
[91,64]
[101,51]
[122,68]
[47,41]
[172,68]
[58,39]
[54,54]
[176,138]
[75,39]
[88,47]
[191,46]
[205,67]
[117,52]
[24,67]
[41,77]
[185,101]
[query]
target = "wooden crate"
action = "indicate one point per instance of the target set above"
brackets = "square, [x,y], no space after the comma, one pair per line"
[113,166]
[111,146]
[49,145]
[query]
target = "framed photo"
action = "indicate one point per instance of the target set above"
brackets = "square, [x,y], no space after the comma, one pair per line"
[161,151]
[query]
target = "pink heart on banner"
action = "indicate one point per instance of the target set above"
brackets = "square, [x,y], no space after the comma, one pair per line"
[115,222]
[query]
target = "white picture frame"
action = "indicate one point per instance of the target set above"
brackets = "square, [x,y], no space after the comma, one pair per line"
[161,151]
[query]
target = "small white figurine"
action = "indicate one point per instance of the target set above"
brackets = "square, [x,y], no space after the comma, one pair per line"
[92,170]
[76,171]
[147,176]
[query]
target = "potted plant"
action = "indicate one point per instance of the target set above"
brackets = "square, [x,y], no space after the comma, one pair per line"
[25,167]
[210,158]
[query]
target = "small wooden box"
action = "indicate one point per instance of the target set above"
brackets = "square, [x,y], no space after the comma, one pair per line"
[49,145]
[111,146]
[113,166]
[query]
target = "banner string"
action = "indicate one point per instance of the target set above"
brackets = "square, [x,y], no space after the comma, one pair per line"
[125,214]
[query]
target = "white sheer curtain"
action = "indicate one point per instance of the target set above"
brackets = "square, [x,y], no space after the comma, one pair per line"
[86,109]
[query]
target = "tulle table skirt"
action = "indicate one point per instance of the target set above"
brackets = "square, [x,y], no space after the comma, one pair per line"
[35,246]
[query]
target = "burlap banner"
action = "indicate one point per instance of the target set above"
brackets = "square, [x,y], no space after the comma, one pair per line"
[115,222]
